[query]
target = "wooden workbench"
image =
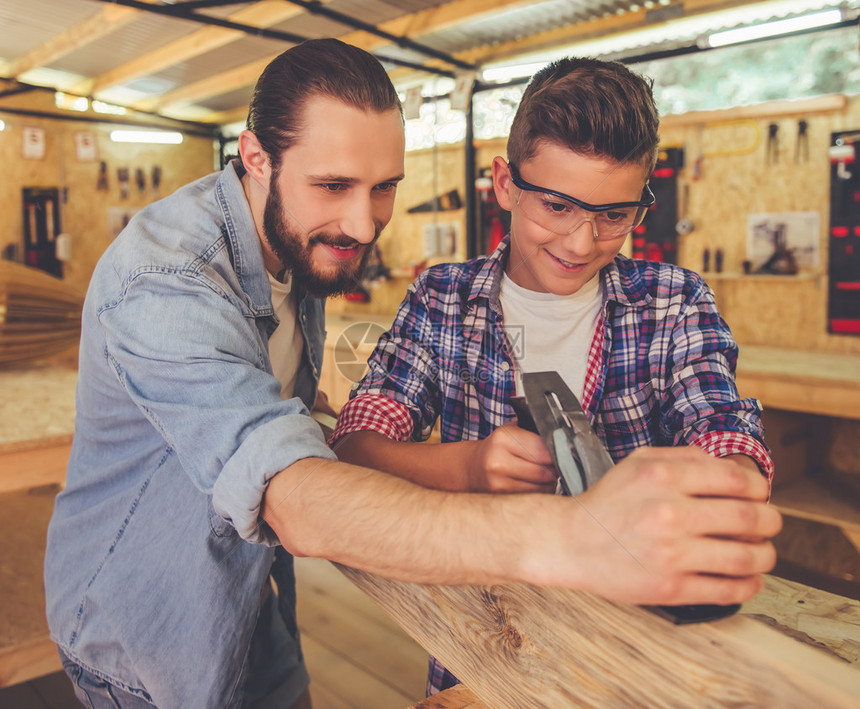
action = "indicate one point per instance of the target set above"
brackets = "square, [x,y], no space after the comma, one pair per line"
[518,646]
[811,402]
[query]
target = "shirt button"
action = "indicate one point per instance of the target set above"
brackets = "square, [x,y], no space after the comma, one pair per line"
[505,366]
[353,386]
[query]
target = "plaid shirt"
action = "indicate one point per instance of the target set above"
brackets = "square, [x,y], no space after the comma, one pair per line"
[660,368]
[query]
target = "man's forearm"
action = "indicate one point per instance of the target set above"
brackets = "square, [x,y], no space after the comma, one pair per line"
[387,525]
[666,525]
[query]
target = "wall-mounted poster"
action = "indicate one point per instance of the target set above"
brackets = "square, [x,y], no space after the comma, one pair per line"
[85,146]
[793,235]
[33,143]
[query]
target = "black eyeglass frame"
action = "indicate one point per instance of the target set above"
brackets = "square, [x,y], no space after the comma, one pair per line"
[647,201]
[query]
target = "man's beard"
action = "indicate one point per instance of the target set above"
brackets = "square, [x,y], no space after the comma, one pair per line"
[292,251]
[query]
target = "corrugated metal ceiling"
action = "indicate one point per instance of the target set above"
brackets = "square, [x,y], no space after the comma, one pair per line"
[480,30]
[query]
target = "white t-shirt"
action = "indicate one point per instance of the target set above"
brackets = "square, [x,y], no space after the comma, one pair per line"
[286,343]
[549,332]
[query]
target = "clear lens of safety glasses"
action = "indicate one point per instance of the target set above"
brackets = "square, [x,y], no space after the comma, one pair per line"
[561,216]
[561,213]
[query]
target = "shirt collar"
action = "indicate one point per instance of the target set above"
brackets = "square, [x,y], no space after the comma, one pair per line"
[624,283]
[244,240]
[488,281]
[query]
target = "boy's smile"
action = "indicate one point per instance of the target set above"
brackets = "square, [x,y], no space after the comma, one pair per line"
[554,262]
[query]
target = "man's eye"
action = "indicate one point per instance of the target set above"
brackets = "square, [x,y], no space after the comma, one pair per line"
[333,186]
[386,186]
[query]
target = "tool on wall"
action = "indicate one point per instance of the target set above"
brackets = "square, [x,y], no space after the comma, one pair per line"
[156,180]
[141,180]
[102,183]
[685,224]
[443,203]
[801,147]
[550,409]
[123,177]
[773,143]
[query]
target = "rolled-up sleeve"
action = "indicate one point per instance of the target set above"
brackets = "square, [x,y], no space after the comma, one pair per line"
[194,362]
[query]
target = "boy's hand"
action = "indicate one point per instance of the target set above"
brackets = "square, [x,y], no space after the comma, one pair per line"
[511,459]
[672,526]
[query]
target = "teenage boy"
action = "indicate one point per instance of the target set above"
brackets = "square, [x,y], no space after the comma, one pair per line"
[640,343]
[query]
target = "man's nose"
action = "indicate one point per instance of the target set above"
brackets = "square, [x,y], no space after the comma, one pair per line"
[358,223]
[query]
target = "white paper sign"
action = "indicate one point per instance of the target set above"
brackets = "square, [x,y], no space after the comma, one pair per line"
[462,93]
[412,105]
[85,146]
[33,146]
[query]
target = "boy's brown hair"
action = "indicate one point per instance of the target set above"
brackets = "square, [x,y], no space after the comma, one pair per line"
[590,106]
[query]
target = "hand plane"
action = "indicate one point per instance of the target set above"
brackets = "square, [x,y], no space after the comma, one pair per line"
[549,408]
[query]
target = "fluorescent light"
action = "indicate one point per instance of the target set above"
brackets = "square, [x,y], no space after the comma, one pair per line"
[770,29]
[146,136]
[2,125]
[502,74]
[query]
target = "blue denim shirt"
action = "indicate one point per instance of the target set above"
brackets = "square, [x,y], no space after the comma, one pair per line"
[156,555]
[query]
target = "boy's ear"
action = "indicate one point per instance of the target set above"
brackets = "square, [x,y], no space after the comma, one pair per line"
[254,158]
[502,182]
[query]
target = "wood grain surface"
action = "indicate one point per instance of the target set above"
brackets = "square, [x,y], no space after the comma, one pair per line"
[520,646]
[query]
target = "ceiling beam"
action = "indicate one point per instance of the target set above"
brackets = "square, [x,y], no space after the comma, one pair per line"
[412,25]
[578,32]
[260,14]
[109,19]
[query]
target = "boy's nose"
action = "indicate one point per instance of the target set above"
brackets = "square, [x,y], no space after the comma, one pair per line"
[582,237]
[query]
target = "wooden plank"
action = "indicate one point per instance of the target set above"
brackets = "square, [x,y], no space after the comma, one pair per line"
[24,469]
[519,645]
[25,647]
[28,660]
[811,382]
[109,19]
[815,617]
[382,650]
[350,684]
[260,14]
[458,697]
[810,498]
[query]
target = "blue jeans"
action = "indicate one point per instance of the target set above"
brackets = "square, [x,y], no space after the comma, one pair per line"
[274,682]
[93,692]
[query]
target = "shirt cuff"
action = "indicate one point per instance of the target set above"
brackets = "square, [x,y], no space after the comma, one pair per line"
[724,443]
[374,412]
[267,450]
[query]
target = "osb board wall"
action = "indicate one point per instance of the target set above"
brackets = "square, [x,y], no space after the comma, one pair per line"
[85,212]
[429,173]
[736,179]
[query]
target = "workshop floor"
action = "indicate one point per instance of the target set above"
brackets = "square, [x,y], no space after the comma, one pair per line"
[357,657]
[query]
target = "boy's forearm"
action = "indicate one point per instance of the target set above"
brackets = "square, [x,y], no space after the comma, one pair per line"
[443,466]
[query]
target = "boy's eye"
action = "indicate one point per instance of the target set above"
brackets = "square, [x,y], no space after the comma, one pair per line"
[556,206]
[386,186]
[615,216]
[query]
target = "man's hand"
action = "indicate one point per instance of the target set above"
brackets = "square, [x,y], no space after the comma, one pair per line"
[673,526]
[510,459]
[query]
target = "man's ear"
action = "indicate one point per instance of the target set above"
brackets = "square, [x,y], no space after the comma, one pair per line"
[254,158]
[502,182]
